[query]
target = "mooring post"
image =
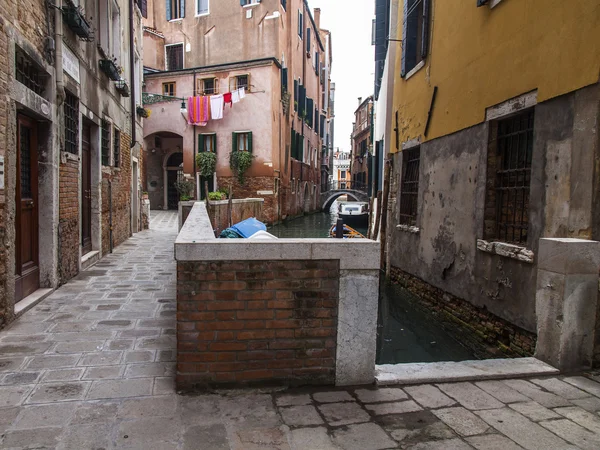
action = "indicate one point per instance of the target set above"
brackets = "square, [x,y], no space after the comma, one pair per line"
[339,229]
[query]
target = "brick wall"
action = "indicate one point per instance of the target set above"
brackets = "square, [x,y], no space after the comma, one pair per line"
[249,190]
[476,328]
[118,182]
[68,225]
[247,322]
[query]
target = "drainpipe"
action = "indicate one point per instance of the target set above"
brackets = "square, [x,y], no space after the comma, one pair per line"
[110,223]
[199,189]
[132,73]
[58,42]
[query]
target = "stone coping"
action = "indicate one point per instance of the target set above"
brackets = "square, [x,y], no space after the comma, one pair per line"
[236,201]
[196,242]
[451,371]
[507,250]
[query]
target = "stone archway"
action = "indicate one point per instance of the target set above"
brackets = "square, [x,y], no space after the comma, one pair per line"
[158,165]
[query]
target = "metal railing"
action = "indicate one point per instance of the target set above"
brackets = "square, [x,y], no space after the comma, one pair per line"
[336,185]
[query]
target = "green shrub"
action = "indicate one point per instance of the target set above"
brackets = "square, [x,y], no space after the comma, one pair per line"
[206,163]
[240,162]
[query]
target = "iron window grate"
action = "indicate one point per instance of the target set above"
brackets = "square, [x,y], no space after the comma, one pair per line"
[28,73]
[105,143]
[117,147]
[71,108]
[514,149]
[411,160]
[174,56]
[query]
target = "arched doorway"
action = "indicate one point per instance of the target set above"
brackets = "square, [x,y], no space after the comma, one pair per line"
[173,173]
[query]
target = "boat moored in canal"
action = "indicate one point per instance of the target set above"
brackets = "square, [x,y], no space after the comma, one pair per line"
[354,213]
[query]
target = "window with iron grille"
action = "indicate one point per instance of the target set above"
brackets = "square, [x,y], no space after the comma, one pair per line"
[509,179]
[28,73]
[174,56]
[409,193]
[71,108]
[105,143]
[117,148]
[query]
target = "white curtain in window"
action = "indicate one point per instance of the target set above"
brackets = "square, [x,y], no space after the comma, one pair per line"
[202,6]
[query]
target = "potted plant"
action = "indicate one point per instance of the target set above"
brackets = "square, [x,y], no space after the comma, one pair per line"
[240,162]
[206,163]
[74,17]
[110,68]
[143,112]
[216,196]
[122,88]
[184,188]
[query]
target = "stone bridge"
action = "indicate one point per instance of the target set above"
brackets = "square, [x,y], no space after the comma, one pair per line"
[357,193]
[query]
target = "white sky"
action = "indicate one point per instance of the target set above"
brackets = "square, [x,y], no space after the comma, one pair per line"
[353,69]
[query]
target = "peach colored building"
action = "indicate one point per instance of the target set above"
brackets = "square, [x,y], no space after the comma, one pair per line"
[274,49]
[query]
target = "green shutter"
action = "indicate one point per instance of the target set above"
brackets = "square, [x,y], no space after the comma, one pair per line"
[301,149]
[200,143]
[250,141]
[214,136]
[293,144]
[234,142]
[296,99]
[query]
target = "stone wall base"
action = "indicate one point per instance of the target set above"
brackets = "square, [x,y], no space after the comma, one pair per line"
[487,335]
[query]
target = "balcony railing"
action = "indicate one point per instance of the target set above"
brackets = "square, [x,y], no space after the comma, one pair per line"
[336,185]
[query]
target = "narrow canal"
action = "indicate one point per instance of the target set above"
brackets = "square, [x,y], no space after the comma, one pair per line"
[405,334]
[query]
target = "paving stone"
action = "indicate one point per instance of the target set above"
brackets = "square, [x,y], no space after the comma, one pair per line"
[55,415]
[532,391]
[561,388]
[574,433]
[581,417]
[166,356]
[7,417]
[148,407]
[300,416]
[37,438]
[25,348]
[380,409]
[149,430]
[212,437]
[78,346]
[19,327]
[139,356]
[103,373]
[120,388]
[333,397]
[11,364]
[366,436]
[158,343]
[411,428]
[493,442]
[470,396]
[96,436]
[502,392]
[92,412]
[534,411]
[114,324]
[249,410]
[591,404]
[149,370]
[58,392]
[20,378]
[311,438]
[101,359]
[343,413]
[119,344]
[380,395]
[462,421]
[293,399]
[521,430]
[585,384]
[429,396]
[85,336]
[69,327]
[14,395]
[163,385]
[258,439]
[52,362]
[449,444]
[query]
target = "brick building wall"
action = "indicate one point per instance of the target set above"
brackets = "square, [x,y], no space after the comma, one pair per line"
[116,182]
[68,216]
[248,322]
[476,328]
[250,189]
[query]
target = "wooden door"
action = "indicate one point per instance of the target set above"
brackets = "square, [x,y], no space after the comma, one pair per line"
[27,272]
[86,189]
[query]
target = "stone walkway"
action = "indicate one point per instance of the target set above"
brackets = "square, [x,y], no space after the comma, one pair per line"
[91,367]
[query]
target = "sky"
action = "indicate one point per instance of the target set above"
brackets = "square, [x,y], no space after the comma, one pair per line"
[353,68]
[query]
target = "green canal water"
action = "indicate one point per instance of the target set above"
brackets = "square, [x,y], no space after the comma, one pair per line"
[405,334]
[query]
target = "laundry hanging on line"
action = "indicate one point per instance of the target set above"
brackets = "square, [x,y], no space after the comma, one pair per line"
[203,108]
[198,110]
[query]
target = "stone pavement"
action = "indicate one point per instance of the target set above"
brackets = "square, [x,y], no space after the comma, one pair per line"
[91,367]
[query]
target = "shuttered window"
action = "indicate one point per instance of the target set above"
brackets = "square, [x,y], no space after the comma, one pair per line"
[300,24]
[242,141]
[415,34]
[308,42]
[175,9]
[105,143]
[201,7]
[207,143]
[116,148]
[310,105]
[296,95]
[302,100]
[284,80]
[174,56]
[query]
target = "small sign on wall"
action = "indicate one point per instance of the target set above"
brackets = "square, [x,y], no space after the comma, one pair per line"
[70,63]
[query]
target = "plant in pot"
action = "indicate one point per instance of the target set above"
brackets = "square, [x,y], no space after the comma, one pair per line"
[216,196]
[240,162]
[206,163]
[143,112]
[184,188]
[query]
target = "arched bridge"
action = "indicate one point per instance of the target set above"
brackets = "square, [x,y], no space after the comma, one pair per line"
[355,191]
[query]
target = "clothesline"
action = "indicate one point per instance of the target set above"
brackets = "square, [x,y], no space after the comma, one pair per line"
[192,93]
[203,108]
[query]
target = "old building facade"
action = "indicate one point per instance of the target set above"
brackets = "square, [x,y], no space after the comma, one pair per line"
[495,151]
[69,153]
[281,61]
[362,150]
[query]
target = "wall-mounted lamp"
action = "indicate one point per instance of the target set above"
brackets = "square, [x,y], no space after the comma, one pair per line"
[183,109]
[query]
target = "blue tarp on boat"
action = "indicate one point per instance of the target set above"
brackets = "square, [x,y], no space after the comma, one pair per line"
[248,227]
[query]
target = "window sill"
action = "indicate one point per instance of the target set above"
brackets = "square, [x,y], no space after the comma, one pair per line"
[251,5]
[414,70]
[179,19]
[202,15]
[408,229]
[506,250]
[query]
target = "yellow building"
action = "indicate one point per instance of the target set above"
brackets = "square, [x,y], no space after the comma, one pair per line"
[495,134]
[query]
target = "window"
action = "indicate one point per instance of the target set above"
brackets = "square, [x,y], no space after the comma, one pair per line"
[201,7]
[409,193]
[105,143]
[415,34]
[293,185]
[28,73]
[249,2]
[242,141]
[175,9]
[174,56]
[208,86]
[116,33]
[300,24]
[343,175]
[509,166]
[284,4]
[103,7]
[116,148]
[240,81]
[143,5]
[207,143]
[71,108]
[308,49]
[170,89]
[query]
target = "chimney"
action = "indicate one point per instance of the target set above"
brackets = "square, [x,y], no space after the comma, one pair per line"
[359,100]
[318,18]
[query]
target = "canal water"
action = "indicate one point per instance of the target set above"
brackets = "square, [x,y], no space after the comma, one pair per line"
[405,334]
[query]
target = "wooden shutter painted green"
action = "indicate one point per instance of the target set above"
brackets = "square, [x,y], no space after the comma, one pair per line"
[302,101]
[308,41]
[403,70]
[214,138]
[284,80]
[309,111]
[301,152]
[234,142]
[250,141]
[300,24]
[201,146]
[425,30]
[293,144]
[296,95]
[322,127]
